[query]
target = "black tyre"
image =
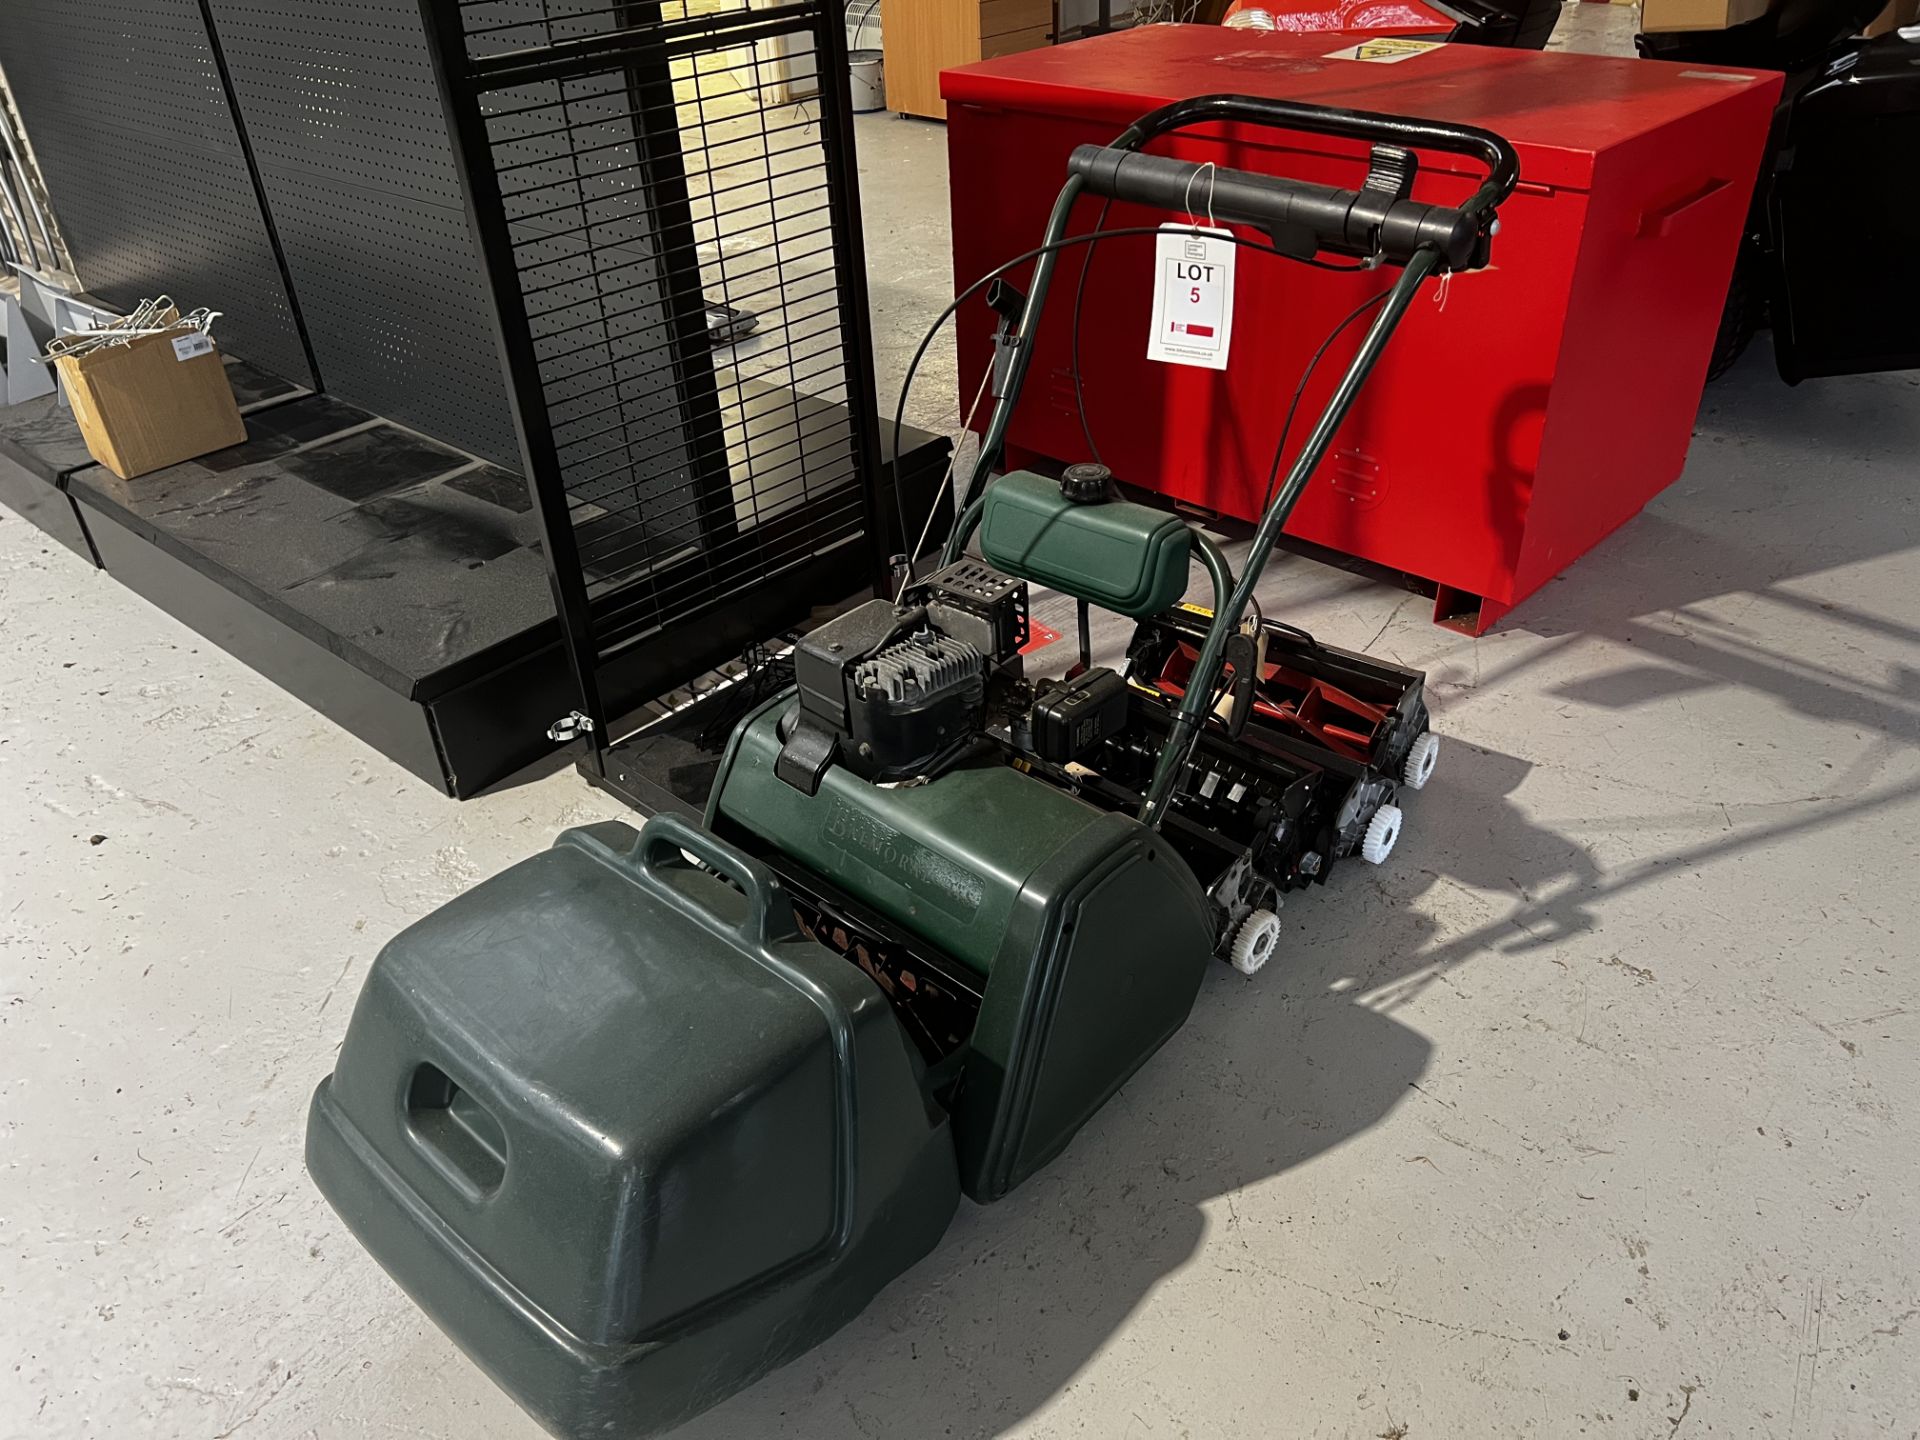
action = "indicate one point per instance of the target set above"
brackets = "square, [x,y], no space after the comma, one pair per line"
[1738,320]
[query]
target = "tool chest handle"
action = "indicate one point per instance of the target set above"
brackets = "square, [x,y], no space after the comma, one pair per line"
[1663,220]
[1378,219]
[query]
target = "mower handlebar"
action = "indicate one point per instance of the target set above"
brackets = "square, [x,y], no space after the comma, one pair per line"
[1376,220]
[1345,222]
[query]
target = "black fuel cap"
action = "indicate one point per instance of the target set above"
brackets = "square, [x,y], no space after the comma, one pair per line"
[1085,483]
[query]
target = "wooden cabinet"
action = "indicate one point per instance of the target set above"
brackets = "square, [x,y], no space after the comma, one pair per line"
[924,37]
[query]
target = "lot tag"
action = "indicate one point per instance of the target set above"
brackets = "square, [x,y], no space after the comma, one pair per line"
[1192,296]
[192,347]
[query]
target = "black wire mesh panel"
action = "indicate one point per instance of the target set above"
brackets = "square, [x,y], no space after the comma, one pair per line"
[625,164]
[124,105]
[340,107]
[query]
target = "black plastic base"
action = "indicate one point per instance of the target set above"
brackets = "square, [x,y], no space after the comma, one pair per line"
[390,582]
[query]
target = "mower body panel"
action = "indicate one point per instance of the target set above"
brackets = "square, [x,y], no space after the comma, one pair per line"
[1115,554]
[948,860]
[630,1149]
[1090,930]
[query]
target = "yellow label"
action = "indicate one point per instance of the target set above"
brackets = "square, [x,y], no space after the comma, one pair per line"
[1387,50]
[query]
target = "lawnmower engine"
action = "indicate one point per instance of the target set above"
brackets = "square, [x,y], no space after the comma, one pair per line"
[899,692]
[1313,744]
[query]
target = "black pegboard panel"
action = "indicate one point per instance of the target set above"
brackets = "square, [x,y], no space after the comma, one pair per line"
[341,108]
[123,104]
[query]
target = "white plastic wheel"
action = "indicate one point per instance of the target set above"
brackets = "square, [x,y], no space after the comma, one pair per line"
[1422,756]
[1253,942]
[1382,831]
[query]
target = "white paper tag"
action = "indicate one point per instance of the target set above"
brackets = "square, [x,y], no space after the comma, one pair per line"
[1387,50]
[191,347]
[1192,296]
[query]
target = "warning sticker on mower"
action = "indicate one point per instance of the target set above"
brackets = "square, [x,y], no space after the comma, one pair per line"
[1387,50]
[1192,292]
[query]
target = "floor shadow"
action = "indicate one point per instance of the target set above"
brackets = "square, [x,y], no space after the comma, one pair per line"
[1264,1078]
[1369,932]
[1782,482]
[1267,1076]
[1751,407]
[1577,902]
[1021,1295]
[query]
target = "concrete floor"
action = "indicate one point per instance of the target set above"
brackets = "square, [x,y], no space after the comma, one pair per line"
[1589,1114]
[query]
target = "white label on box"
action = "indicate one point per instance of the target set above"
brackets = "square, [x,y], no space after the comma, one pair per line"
[191,347]
[1192,296]
[1387,50]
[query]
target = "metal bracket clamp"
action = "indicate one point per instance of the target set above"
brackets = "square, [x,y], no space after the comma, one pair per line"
[1009,304]
[570,727]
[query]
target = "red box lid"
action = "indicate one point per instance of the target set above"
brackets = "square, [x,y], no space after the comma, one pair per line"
[1559,110]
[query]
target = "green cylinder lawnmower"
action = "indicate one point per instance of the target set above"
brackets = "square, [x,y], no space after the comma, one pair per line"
[650,1114]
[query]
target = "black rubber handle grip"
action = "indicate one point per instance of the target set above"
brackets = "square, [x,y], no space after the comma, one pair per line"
[1346,222]
[1399,226]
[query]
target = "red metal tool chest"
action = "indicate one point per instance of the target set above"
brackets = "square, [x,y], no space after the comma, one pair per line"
[1521,414]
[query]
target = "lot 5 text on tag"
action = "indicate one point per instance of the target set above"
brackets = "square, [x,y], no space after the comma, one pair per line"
[1192,296]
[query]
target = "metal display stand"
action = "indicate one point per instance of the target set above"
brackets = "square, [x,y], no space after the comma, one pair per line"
[615,159]
[665,241]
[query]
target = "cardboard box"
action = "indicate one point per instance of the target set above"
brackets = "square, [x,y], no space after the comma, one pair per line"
[1657,16]
[1897,16]
[152,402]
